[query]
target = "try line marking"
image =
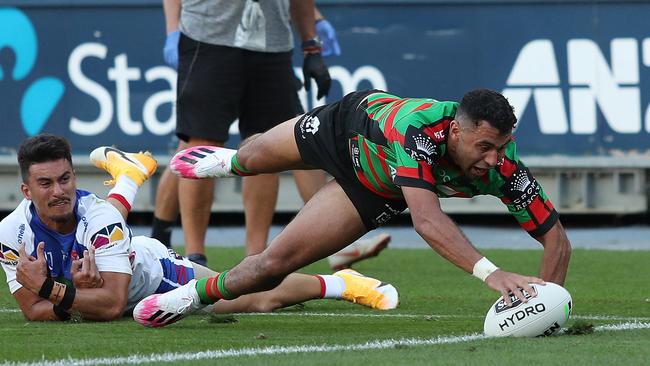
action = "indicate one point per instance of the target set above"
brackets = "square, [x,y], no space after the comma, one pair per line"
[278,350]
[412,316]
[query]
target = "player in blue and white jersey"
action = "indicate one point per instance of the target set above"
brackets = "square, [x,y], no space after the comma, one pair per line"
[66,251]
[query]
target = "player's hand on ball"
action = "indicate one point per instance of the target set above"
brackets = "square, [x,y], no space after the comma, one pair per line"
[508,282]
[84,271]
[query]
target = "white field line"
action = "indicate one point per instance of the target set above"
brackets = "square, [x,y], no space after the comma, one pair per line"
[278,350]
[411,316]
[432,316]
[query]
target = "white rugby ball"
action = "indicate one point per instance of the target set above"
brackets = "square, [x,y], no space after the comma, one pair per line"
[541,316]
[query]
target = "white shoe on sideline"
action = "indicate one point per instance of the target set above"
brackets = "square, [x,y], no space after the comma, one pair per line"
[357,251]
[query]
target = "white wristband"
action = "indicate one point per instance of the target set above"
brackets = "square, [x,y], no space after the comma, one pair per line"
[483,268]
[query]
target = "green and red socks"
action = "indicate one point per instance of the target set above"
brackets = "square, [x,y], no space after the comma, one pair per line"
[239,169]
[212,289]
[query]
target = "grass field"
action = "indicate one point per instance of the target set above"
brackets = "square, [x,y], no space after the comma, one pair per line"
[438,322]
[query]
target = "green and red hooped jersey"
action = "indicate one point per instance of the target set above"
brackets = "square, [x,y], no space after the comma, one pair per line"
[414,155]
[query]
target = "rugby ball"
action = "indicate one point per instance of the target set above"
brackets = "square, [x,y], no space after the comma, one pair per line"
[543,315]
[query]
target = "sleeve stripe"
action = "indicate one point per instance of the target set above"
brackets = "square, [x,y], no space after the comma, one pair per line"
[508,167]
[539,210]
[407,172]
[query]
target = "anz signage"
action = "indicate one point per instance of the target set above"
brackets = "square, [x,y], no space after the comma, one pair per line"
[595,84]
[576,74]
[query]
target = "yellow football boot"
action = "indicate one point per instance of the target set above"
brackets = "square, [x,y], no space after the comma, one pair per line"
[137,166]
[368,291]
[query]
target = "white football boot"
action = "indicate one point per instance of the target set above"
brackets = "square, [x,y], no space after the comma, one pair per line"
[159,310]
[203,162]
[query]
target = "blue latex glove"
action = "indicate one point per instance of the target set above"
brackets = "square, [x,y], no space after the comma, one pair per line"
[170,52]
[327,35]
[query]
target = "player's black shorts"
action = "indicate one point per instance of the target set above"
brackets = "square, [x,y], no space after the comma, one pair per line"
[217,84]
[323,137]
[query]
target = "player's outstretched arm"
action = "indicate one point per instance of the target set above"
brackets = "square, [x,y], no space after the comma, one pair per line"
[446,238]
[557,253]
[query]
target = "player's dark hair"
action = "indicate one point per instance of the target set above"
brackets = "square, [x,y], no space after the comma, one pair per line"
[487,105]
[40,149]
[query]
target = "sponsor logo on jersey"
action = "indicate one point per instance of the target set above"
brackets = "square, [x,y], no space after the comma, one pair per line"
[420,145]
[73,254]
[309,124]
[355,154]
[501,306]
[521,188]
[108,235]
[386,215]
[8,255]
[21,233]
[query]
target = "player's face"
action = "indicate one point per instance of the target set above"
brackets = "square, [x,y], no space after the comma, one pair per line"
[51,188]
[476,149]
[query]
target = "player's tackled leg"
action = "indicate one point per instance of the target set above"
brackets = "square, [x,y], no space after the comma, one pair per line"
[271,152]
[159,310]
[137,166]
[307,238]
[205,162]
[298,288]
[128,170]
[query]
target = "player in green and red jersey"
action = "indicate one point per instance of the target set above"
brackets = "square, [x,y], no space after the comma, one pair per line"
[385,153]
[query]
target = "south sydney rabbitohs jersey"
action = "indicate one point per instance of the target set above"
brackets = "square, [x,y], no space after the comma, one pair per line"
[99,225]
[406,146]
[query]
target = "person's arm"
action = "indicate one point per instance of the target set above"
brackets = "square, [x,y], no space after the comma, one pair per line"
[533,209]
[327,35]
[33,307]
[104,303]
[446,238]
[303,18]
[557,253]
[172,10]
[302,15]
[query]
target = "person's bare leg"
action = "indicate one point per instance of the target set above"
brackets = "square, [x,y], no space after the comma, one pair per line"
[309,182]
[195,201]
[273,151]
[327,223]
[294,289]
[260,195]
[167,207]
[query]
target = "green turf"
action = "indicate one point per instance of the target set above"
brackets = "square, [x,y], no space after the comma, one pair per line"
[602,283]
